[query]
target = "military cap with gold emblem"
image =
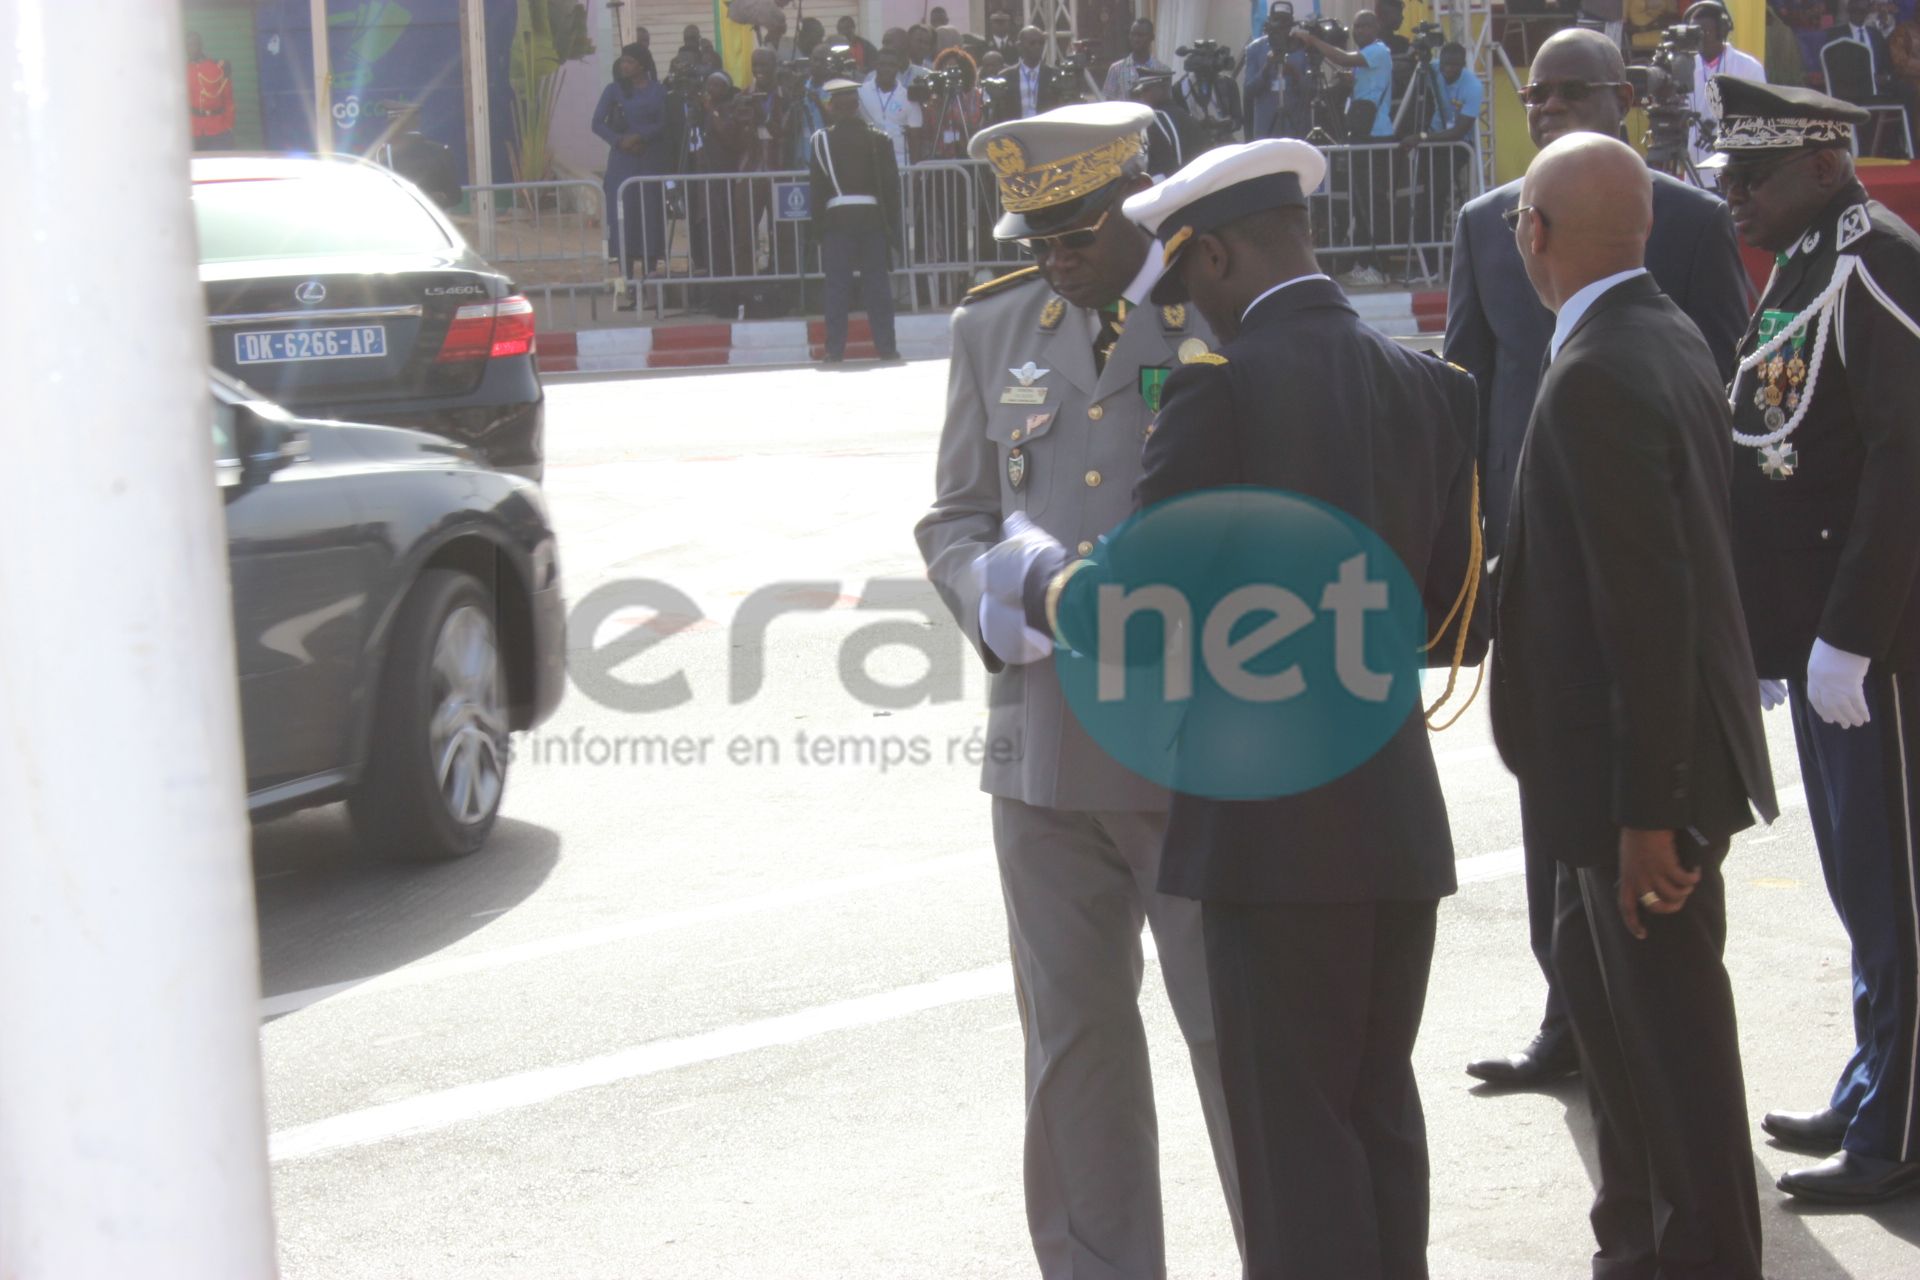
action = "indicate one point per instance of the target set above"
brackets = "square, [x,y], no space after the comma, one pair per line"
[1223,186]
[1062,167]
[1761,121]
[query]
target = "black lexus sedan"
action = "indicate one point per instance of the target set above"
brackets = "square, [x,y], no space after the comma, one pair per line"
[396,611]
[334,287]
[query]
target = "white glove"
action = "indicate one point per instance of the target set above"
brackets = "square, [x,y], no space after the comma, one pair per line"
[1836,685]
[1001,575]
[1772,694]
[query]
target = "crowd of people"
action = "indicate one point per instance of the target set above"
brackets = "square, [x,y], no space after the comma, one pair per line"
[1663,510]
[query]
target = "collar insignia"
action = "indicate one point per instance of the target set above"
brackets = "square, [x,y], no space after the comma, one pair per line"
[1174,318]
[1854,224]
[1052,313]
[1811,242]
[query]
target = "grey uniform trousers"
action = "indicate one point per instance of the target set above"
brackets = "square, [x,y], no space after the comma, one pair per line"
[1078,887]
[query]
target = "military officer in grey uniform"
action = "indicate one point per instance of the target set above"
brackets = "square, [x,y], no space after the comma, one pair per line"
[1055,379]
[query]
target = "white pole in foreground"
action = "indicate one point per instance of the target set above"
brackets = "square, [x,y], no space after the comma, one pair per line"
[132,1129]
[482,123]
[322,78]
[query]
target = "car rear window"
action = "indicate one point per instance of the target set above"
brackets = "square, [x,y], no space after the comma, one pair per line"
[338,214]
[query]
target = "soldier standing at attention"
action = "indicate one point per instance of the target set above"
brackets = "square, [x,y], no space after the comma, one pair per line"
[856,215]
[1827,544]
[1056,376]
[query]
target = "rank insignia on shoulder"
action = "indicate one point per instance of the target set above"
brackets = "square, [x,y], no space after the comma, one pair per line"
[1193,351]
[1174,318]
[1205,357]
[1052,313]
[998,283]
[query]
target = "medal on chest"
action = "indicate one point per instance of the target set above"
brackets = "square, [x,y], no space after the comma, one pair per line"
[1785,365]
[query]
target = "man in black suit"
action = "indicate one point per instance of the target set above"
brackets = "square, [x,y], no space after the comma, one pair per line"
[1624,700]
[1497,330]
[1318,906]
[1828,533]
[1856,28]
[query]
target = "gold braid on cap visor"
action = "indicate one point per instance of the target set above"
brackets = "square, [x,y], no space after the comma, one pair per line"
[1024,189]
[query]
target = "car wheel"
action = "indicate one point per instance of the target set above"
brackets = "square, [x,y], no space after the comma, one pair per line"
[437,766]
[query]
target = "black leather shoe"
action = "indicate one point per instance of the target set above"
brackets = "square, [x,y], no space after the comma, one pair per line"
[1817,1131]
[1851,1178]
[1548,1057]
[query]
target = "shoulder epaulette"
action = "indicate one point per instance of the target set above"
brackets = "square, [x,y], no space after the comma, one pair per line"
[1208,357]
[998,283]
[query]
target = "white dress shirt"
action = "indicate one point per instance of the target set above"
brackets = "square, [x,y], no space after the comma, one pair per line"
[1574,308]
[1029,90]
[891,112]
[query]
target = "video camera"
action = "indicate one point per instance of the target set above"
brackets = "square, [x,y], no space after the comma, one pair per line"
[1066,80]
[1424,39]
[944,83]
[1331,30]
[1206,57]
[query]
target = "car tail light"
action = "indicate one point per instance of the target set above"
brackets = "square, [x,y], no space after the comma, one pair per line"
[489,329]
[513,327]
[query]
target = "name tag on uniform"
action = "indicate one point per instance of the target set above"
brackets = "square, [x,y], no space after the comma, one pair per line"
[1024,395]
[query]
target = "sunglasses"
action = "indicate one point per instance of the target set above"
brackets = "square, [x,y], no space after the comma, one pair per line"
[1751,177]
[1075,240]
[1540,92]
[1512,216]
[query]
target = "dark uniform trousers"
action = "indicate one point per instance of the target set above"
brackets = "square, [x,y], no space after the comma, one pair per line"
[1320,1003]
[1861,784]
[1654,1018]
[842,253]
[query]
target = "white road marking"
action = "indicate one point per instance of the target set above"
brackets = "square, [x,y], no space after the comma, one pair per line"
[444,1108]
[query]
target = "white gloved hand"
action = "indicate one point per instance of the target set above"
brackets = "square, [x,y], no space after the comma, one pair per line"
[1836,685]
[1002,571]
[1772,694]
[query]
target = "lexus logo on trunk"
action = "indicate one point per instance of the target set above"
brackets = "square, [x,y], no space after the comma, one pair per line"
[310,292]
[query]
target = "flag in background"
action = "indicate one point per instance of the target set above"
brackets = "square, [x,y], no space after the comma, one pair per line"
[735,43]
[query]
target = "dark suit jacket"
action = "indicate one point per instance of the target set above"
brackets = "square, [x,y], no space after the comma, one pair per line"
[1498,331]
[1623,690]
[1312,400]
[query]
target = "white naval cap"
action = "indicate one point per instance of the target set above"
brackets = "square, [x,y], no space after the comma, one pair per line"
[1224,185]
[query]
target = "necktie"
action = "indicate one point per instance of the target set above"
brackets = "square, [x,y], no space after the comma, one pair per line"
[1111,324]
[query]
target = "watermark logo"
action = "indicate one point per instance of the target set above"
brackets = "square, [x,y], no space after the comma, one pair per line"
[1242,644]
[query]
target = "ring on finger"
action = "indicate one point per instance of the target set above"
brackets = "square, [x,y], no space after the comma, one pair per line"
[1649,899]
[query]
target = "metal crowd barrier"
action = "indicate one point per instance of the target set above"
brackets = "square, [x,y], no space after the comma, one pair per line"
[1393,210]
[551,238]
[721,241]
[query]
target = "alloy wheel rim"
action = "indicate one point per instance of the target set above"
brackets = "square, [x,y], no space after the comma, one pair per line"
[467,732]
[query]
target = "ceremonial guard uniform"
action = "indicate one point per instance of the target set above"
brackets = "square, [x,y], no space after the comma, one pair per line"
[855,188]
[1048,405]
[1826,514]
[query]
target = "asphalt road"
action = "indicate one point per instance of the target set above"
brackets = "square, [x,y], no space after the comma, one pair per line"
[727,994]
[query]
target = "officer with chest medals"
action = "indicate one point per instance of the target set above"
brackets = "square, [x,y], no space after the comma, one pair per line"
[1826,406]
[1055,378]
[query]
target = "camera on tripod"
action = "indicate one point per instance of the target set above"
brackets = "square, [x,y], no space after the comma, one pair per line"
[1205,57]
[1066,80]
[943,83]
[1424,39]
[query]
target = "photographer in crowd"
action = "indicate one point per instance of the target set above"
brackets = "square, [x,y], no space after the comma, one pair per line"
[891,107]
[866,58]
[1139,61]
[1275,90]
[1714,57]
[1207,92]
[1455,116]
[1368,177]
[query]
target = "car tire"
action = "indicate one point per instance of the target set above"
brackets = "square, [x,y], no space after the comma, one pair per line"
[437,763]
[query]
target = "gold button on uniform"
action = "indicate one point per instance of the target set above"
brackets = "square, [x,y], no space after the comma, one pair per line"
[1093,479]
[1085,548]
[1016,433]
[1096,413]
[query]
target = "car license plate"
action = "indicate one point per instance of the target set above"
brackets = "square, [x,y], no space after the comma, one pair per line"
[279,346]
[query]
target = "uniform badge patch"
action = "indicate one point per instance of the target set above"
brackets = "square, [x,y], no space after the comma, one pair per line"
[1016,467]
[1052,314]
[1854,223]
[1153,378]
[1174,318]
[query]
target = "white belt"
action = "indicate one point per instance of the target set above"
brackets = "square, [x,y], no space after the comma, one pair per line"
[841,201]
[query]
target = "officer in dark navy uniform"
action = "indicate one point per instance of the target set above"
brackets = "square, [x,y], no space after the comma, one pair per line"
[1826,518]
[1318,907]
[856,214]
